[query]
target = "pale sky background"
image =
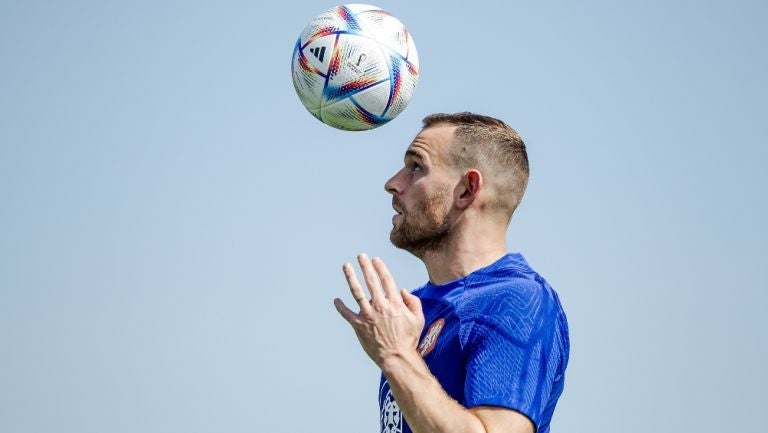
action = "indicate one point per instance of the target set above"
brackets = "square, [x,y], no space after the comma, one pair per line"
[173,222]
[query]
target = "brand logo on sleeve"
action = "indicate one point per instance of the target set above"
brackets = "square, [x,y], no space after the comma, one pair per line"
[430,338]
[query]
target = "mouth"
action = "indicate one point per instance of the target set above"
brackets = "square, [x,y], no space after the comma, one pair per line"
[398,213]
[397,208]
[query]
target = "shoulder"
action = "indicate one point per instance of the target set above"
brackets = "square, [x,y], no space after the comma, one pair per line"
[508,293]
[512,301]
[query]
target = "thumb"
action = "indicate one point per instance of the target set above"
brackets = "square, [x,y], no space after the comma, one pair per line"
[412,302]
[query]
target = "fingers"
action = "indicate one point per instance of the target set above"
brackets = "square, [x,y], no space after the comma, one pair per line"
[378,279]
[371,279]
[387,282]
[355,288]
[345,312]
[412,302]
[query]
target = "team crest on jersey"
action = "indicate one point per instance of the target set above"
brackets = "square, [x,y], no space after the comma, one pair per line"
[391,418]
[430,338]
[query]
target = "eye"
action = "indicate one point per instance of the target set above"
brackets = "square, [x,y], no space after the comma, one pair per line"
[415,166]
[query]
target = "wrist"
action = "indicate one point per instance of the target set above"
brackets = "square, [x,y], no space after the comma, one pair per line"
[400,361]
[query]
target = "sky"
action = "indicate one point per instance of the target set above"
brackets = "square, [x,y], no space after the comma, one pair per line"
[173,221]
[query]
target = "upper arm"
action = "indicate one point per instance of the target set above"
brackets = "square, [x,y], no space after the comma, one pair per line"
[502,420]
[515,361]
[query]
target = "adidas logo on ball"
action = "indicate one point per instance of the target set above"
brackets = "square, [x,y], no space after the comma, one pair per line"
[319,52]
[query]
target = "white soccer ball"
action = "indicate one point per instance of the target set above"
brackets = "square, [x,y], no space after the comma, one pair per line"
[355,67]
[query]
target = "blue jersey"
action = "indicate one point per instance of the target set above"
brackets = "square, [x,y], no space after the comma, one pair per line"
[496,337]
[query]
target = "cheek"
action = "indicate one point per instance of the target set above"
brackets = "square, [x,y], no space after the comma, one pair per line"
[422,192]
[417,194]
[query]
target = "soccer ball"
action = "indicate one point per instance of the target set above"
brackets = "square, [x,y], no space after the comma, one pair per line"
[355,67]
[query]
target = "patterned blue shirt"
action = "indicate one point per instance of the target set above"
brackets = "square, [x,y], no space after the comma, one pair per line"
[496,337]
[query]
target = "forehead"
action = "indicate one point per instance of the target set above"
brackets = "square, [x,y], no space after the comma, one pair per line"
[434,141]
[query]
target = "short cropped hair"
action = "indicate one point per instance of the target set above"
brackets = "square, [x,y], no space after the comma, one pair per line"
[494,148]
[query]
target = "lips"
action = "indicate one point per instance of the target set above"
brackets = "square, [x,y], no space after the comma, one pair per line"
[397,207]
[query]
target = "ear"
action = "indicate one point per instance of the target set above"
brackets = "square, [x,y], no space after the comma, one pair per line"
[469,188]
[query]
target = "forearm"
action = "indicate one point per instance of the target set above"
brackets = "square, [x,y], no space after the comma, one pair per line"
[423,401]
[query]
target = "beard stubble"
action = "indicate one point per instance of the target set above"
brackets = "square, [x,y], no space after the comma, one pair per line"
[425,228]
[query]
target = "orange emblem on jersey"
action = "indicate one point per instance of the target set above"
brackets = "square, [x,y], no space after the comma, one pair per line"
[430,338]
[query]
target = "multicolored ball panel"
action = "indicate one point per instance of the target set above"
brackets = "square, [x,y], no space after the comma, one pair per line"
[355,67]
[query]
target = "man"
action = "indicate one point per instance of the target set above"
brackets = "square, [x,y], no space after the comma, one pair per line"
[492,357]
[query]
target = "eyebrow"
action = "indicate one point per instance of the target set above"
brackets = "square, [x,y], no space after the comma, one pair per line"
[413,153]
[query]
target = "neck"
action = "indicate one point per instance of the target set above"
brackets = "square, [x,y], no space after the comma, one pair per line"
[464,253]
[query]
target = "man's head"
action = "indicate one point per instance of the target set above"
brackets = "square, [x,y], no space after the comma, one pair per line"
[458,164]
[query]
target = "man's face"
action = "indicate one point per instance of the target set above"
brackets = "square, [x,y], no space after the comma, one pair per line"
[422,192]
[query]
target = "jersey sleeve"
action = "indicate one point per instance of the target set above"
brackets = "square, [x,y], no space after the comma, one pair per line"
[514,356]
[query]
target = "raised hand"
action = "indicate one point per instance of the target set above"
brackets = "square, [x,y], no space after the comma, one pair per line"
[390,322]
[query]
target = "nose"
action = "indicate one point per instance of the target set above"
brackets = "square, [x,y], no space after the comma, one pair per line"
[393,185]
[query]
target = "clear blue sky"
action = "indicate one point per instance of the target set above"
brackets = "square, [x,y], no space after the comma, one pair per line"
[173,222]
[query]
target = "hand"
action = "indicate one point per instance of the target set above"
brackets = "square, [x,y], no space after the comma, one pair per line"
[390,323]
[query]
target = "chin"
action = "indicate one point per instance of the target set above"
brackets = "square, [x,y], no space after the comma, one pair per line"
[396,239]
[393,237]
